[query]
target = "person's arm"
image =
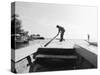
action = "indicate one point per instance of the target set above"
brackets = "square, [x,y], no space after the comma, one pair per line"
[58,31]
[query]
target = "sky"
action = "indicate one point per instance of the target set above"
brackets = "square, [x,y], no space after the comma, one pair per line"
[42,18]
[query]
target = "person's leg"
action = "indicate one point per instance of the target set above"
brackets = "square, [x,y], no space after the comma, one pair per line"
[61,36]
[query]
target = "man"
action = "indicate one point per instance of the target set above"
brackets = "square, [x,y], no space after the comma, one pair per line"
[88,37]
[61,30]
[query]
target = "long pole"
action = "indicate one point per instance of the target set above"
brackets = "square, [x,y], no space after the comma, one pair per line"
[50,40]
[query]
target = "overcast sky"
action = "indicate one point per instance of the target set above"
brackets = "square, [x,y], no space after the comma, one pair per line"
[42,18]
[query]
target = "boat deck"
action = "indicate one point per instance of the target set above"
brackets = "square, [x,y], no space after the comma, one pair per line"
[86,51]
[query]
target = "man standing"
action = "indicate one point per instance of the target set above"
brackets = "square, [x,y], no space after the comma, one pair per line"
[88,37]
[61,30]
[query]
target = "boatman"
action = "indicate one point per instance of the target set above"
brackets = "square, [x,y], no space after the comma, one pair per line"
[61,30]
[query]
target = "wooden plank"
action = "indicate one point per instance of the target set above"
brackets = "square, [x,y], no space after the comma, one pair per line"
[87,54]
[24,52]
[56,56]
